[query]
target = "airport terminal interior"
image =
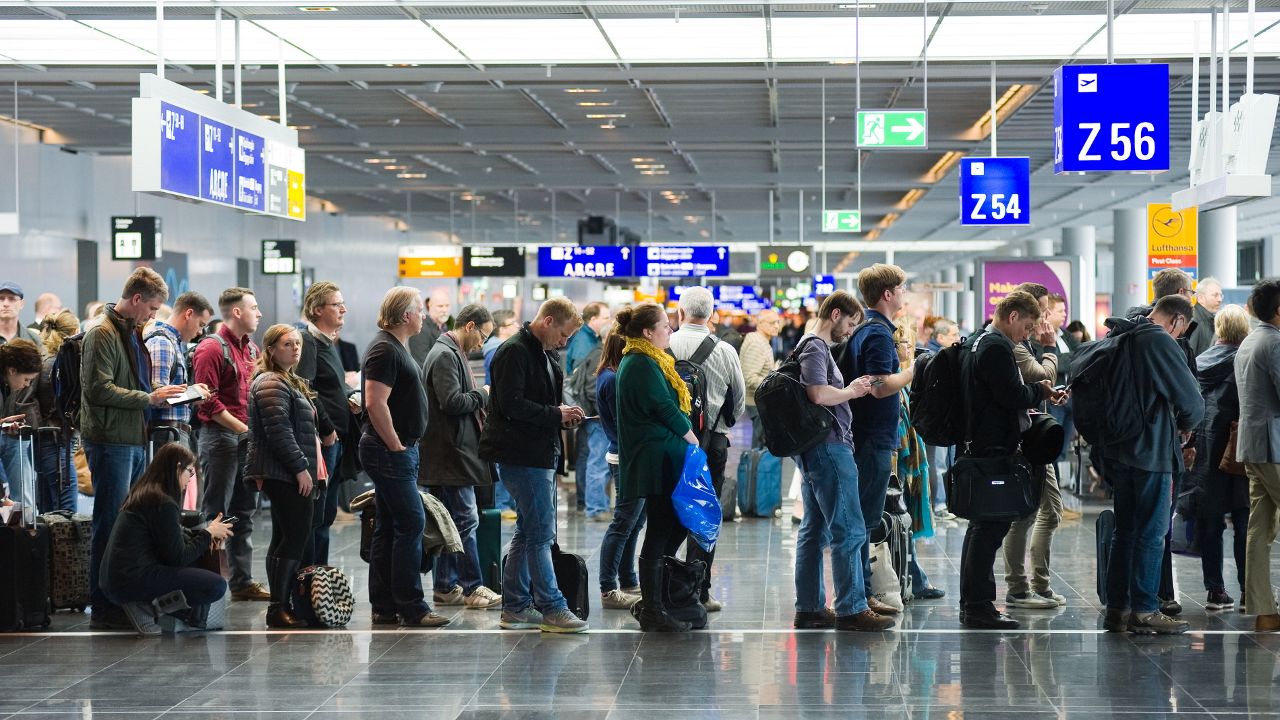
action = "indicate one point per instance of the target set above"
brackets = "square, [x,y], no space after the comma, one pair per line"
[503,153]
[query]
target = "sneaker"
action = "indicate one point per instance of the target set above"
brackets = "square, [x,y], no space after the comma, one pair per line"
[1029,601]
[631,589]
[509,515]
[142,617]
[865,621]
[712,604]
[942,513]
[482,598]
[1170,607]
[929,593]
[453,597]
[1116,620]
[253,592]
[823,619]
[1049,594]
[527,619]
[1219,600]
[618,600]
[1156,623]
[562,621]
[429,619]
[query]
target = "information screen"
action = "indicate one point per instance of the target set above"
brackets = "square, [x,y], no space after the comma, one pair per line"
[280,257]
[135,238]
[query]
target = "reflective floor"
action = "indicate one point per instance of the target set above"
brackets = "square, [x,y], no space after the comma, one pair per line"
[748,664]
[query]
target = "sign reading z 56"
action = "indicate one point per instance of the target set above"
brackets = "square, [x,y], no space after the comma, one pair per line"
[1111,118]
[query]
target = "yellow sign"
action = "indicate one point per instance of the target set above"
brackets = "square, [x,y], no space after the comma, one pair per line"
[431,261]
[297,195]
[1172,241]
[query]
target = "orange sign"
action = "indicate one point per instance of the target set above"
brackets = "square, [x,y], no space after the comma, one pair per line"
[431,261]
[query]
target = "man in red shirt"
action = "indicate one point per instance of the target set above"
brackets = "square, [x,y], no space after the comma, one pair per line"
[224,362]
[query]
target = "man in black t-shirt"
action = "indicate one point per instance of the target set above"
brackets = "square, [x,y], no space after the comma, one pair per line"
[395,418]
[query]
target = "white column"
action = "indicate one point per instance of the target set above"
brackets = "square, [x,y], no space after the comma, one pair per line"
[1219,250]
[1016,250]
[950,298]
[967,301]
[1130,282]
[1271,256]
[1040,247]
[1081,242]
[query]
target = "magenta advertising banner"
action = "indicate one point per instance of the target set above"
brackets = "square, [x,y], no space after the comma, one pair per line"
[1000,277]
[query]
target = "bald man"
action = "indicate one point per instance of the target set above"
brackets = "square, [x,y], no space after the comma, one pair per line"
[438,305]
[756,358]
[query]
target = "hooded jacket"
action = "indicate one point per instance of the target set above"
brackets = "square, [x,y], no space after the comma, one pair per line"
[1218,492]
[1170,393]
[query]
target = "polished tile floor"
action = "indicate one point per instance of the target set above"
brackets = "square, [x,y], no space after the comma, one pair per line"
[748,664]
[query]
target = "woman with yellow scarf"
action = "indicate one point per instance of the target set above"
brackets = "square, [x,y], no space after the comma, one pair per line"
[653,436]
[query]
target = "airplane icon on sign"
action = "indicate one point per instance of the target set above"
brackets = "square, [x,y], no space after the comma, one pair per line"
[1087,82]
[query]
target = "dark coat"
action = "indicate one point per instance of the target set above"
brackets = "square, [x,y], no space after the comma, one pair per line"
[282,431]
[146,539]
[651,429]
[450,450]
[321,366]
[523,423]
[420,345]
[1217,492]
[997,397]
[1201,336]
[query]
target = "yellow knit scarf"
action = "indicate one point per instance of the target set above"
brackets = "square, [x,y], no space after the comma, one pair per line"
[668,366]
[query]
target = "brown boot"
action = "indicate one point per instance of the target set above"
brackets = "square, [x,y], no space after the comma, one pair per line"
[880,608]
[865,621]
[1266,623]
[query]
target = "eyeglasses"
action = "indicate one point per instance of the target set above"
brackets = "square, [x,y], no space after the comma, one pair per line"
[337,305]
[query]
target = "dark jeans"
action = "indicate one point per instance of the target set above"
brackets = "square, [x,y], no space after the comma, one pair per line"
[56,487]
[717,456]
[200,586]
[453,568]
[1210,533]
[1142,506]
[395,557]
[115,468]
[618,549]
[757,427]
[290,520]
[581,457]
[873,485]
[222,458]
[326,508]
[977,562]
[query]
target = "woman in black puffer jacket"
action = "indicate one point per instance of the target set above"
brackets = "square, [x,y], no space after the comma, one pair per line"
[283,460]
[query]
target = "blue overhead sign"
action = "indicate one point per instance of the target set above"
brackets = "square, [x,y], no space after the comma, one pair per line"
[682,261]
[823,285]
[1111,118]
[995,191]
[250,171]
[179,150]
[217,161]
[585,261]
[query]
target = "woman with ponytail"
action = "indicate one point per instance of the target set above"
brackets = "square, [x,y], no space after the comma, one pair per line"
[653,435]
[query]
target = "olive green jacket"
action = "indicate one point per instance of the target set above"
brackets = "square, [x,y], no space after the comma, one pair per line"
[651,429]
[113,405]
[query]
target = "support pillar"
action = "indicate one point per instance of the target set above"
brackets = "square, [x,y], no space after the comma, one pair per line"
[1040,247]
[1081,242]
[967,300]
[1130,282]
[1219,246]
[950,298]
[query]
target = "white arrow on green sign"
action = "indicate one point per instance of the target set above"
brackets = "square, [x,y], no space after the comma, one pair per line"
[893,129]
[841,221]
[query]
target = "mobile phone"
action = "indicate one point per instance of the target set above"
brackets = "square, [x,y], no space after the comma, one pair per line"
[591,417]
[1062,388]
[231,520]
[877,382]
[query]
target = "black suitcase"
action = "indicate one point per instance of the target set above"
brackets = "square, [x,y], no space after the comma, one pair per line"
[1105,530]
[24,553]
[573,579]
[489,545]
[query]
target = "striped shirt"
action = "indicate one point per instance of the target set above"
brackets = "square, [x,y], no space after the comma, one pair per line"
[168,367]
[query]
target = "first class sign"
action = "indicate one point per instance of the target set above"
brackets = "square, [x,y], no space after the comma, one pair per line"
[194,146]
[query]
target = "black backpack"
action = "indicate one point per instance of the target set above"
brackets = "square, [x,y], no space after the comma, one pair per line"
[1107,407]
[66,382]
[792,424]
[695,378]
[937,397]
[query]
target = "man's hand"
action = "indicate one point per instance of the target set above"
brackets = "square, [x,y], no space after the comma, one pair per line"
[330,439]
[1057,397]
[304,483]
[164,392]
[1046,334]
[1189,457]
[204,392]
[12,423]
[571,415]
[859,386]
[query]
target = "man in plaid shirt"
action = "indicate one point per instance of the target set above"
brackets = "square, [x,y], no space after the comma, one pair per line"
[167,345]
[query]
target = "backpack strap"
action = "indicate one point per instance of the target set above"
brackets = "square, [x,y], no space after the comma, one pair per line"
[705,348]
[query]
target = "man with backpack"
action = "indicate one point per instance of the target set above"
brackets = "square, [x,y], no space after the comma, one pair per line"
[711,370]
[224,362]
[167,346]
[116,394]
[1152,383]
[871,350]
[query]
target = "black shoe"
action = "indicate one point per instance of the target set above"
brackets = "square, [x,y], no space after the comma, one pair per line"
[929,593]
[1116,620]
[823,619]
[385,618]
[1170,607]
[988,620]
[109,617]
[1219,600]
[657,619]
[278,616]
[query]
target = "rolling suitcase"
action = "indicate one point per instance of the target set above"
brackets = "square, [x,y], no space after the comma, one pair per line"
[24,551]
[1105,531]
[489,545]
[728,498]
[759,483]
[70,535]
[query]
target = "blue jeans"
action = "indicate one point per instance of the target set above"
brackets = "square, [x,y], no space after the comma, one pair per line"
[1142,505]
[451,568]
[52,495]
[597,470]
[529,577]
[501,498]
[395,556]
[919,580]
[14,466]
[114,468]
[618,549]
[326,509]
[873,485]
[832,515]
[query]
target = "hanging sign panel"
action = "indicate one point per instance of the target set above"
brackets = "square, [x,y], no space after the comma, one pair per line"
[585,261]
[682,261]
[493,261]
[1172,241]
[893,128]
[849,221]
[1111,118]
[995,191]
[430,261]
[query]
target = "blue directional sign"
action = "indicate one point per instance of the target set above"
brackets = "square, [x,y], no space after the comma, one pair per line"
[1111,118]
[995,191]
[217,161]
[250,172]
[823,285]
[682,261]
[585,261]
[179,150]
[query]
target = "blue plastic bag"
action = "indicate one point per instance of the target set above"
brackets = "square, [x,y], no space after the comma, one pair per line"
[695,499]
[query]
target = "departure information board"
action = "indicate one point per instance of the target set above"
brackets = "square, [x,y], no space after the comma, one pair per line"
[586,261]
[682,261]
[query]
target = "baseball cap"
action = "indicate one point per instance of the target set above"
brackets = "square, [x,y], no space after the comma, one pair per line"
[12,287]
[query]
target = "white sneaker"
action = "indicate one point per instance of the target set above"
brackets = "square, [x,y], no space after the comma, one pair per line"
[483,599]
[1051,595]
[618,600]
[453,597]
[563,621]
[1029,601]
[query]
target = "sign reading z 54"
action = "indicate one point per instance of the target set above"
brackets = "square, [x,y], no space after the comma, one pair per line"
[1111,118]
[995,191]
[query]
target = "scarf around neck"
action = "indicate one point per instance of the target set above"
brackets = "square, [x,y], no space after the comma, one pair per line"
[667,364]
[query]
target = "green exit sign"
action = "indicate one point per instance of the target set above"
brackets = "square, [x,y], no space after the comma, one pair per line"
[849,221]
[893,129]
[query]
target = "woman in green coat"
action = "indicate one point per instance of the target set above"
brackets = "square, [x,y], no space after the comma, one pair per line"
[653,436]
